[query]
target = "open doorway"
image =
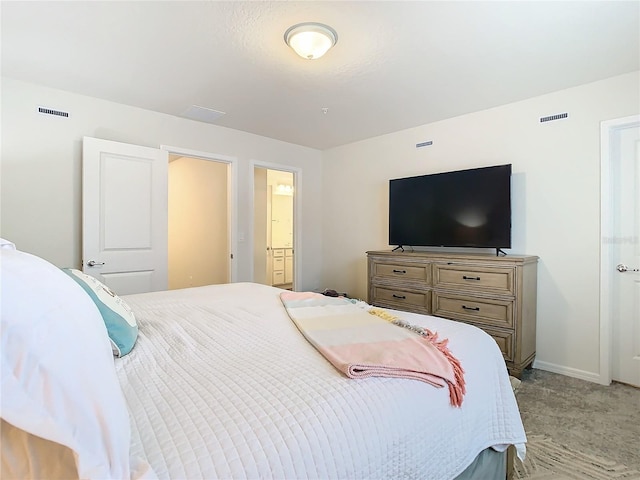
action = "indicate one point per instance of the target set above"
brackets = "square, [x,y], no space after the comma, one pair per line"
[198,219]
[274,227]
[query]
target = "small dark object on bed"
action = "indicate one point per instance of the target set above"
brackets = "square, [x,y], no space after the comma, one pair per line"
[332,293]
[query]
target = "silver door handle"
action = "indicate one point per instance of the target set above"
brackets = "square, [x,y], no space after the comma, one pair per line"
[93,263]
[623,268]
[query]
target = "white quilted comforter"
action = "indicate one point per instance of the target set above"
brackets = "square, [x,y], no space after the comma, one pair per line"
[222,385]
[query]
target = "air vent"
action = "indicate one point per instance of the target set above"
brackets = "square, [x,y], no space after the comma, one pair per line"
[51,111]
[551,118]
[202,114]
[424,144]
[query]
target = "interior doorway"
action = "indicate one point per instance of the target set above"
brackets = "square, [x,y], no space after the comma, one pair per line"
[274,227]
[198,222]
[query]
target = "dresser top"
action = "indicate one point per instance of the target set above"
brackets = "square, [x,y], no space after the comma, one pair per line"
[399,255]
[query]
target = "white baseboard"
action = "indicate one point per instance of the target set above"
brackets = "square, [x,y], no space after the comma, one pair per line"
[570,372]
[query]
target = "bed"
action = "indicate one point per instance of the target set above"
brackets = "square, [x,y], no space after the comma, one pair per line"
[221,384]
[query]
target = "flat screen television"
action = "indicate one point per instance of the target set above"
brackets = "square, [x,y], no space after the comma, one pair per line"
[464,208]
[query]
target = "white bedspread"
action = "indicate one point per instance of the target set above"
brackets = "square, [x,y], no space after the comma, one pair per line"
[221,384]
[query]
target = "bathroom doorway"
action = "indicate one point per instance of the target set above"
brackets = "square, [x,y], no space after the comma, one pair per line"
[274,227]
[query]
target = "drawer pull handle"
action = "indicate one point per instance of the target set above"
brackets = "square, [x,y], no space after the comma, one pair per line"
[402,272]
[471,278]
[475,309]
[401,297]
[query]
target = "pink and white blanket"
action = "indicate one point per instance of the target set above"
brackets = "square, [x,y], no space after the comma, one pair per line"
[361,341]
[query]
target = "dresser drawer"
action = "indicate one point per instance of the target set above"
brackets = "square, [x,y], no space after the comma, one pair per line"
[278,263]
[474,278]
[402,298]
[504,341]
[411,272]
[493,312]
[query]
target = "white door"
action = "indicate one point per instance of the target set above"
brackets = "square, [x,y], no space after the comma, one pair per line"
[269,249]
[260,222]
[124,215]
[626,255]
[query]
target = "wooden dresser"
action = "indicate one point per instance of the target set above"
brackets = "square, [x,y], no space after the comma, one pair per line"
[496,294]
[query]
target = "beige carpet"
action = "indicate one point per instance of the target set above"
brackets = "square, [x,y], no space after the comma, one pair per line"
[578,429]
[547,460]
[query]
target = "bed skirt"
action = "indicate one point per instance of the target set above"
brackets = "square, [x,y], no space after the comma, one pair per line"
[488,464]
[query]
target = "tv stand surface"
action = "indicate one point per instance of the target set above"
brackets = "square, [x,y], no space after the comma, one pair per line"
[494,293]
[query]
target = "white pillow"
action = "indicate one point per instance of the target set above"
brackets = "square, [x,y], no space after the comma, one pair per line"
[117,315]
[58,377]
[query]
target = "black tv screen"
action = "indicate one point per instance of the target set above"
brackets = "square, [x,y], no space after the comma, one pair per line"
[465,208]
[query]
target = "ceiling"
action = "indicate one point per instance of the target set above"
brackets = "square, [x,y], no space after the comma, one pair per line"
[397,64]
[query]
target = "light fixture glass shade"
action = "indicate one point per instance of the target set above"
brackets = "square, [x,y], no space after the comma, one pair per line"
[310,40]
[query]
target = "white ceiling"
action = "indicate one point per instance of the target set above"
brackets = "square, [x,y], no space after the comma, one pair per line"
[397,64]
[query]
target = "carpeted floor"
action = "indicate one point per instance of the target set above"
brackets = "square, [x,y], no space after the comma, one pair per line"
[547,460]
[574,424]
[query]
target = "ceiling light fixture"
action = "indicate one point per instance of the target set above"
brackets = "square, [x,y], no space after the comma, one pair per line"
[284,189]
[310,40]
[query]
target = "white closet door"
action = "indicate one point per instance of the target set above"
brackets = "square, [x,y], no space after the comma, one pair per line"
[626,285]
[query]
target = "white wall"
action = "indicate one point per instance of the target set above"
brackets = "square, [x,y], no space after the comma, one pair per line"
[555,194]
[40,192]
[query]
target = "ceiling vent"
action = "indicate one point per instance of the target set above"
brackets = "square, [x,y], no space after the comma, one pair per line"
[51,111]
[551,118]
[424,144]
[202,114]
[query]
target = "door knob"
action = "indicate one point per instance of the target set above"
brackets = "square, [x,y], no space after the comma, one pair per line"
[623,268]
[93,263]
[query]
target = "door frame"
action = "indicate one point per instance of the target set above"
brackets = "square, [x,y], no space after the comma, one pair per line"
[297,214]
[232,194]
[608,157]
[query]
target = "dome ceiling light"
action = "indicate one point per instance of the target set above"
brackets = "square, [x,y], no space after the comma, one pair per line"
[310,40]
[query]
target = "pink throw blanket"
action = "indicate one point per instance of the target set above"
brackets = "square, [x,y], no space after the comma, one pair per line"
[361,341]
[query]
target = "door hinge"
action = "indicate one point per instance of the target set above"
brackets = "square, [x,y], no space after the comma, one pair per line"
[231,256]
